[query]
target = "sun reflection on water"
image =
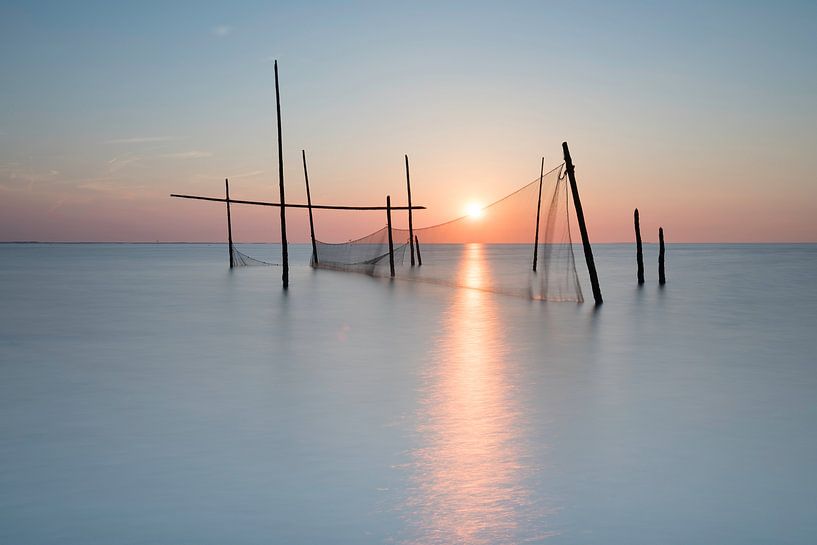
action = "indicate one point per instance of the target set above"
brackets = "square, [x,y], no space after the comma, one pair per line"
[468,477]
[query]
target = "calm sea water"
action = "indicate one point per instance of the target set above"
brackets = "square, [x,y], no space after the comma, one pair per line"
[148,395]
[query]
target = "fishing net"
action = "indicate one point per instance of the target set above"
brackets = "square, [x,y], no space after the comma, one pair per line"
[491,248]
[240,259]
[256,233]
[369,254]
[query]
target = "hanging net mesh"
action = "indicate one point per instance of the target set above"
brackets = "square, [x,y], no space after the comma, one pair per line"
[369,255]
[262,224]
[241,259]
[490,249]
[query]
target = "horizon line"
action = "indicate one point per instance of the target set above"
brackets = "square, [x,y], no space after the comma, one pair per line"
[430,243]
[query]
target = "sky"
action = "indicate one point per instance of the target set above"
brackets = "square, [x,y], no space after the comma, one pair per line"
[701,114]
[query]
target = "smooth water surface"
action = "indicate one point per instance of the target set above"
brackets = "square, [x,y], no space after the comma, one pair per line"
[149,395]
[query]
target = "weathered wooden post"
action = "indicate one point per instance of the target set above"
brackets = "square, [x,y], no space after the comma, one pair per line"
[411,225]
[309,204]
[229,221]
[419,257]
[577,203]
[391,241]
[661,278]
[639,254]
[538,211]
[284,249]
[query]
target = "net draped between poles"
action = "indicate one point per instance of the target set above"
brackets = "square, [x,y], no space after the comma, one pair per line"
[240,259]
[254,223]
[491,250]
[368,255]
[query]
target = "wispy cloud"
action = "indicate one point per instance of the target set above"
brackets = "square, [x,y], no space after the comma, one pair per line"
[251,174]
[18,176]
[121,161]
[222,31]
[193,154]
[140,139]
[101,186]
[56,206]
[110,185]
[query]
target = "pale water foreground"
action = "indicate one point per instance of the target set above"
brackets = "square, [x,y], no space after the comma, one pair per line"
[148,395]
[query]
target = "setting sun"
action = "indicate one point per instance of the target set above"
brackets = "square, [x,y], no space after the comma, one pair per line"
[474,210]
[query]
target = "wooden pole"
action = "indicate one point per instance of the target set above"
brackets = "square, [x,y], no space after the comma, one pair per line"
[229,221]
[284,249]
[588,251]
[639,254]
[411,225]
[419,257]
[538,210]
[311,222]
[289,205]
[661,278]
[391,240]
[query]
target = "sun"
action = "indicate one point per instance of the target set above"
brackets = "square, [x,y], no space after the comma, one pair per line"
[474,210]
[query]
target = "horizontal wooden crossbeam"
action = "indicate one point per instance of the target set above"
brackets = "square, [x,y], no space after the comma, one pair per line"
[287,205]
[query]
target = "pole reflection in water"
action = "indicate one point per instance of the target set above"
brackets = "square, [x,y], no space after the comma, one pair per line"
[469,474]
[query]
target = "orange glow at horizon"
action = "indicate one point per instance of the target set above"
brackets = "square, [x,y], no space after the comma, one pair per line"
[49,205]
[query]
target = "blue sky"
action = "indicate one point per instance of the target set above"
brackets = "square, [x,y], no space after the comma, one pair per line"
[702,114]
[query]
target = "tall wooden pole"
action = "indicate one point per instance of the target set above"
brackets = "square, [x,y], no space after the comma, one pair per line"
[284,249]
[229,221]
[588,251]
[661,278]
[391,240]
[309,203]
[639,254]
[538,210]
[419,256]
[411,225]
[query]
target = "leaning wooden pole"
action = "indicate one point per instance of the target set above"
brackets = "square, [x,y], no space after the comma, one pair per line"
[639,254]
[311,222]
[284,249]
[538,212]
[229,221]
[662,279]
[391,240]
[411,224]
[588,251]
[419,256]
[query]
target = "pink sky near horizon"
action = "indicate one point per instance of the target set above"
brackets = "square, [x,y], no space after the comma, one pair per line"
[689,211]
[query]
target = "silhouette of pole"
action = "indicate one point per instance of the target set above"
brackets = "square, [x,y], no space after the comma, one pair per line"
[229,221]
[419,257]
[290,205]
[639,254]
[284,249]
[309,204]
[661,278]
[538,211]
[577,203]
[411,225]
[391,241]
